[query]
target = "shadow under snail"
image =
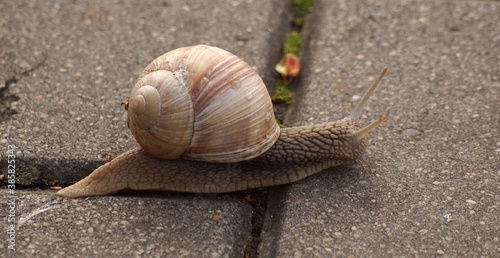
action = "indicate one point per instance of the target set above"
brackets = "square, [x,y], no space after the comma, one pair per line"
[205,122]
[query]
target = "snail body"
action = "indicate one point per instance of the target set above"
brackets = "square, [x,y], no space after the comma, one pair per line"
[255,154]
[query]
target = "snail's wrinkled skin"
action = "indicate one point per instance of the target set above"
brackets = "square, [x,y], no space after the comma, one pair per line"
[298,153]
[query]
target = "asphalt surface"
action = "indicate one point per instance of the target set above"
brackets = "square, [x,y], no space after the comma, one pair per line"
[433,188]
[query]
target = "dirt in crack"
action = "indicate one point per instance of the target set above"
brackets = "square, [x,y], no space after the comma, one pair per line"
[7,99]
[257,198]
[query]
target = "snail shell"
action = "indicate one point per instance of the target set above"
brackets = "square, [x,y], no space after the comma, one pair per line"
[201,103]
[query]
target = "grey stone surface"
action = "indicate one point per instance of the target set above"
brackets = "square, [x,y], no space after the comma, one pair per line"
[133,226]
[65,67]
[434,193]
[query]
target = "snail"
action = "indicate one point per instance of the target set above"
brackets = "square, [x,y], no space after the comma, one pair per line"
[205,124]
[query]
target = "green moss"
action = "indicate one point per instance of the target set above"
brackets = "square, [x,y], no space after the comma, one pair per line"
[263,191]
[300,9]
[282,93]
[280,124]
[292,43]
[260,210]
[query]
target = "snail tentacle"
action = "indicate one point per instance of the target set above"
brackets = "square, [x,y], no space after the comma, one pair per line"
[358,110]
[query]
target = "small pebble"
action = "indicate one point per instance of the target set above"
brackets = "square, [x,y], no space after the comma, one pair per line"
[440,251]
[411,132]
[470,202]
[422,231]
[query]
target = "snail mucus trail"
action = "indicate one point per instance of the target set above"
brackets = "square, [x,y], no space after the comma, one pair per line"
[297,152]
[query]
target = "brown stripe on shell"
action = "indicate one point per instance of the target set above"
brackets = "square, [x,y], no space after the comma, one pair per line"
[218,81]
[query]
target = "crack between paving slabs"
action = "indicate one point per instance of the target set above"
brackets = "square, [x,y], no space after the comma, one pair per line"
[261,214]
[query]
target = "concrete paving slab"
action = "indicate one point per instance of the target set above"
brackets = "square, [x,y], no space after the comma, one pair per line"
[65,67]
[128,226]
[434,186]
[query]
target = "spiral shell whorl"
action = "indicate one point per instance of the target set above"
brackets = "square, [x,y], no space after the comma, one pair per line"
[167,117]
[212,80]
[145,107]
